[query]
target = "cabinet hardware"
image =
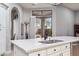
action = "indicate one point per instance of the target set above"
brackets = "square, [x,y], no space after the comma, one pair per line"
[66,46]
[38,54]
[54,49]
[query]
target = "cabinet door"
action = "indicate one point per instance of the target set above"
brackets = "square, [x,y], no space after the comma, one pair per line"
[57,54]
[50,51]
[54,54]
[2,30]
[19,52]
[57,49]
[34,54]
[38,53]
[66,52]
[66,49]
[65,46]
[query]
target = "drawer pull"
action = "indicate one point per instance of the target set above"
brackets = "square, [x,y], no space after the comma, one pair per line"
[54,49]
[38,54]
[66,46]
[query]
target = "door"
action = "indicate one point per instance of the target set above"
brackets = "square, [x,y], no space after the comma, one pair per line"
[2,30]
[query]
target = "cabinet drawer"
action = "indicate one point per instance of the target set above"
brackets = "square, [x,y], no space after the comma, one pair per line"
[65,46]
[33,54]
[43,53]
[38,53]
[50,51]
[58,54]
[66,52]
[56,49]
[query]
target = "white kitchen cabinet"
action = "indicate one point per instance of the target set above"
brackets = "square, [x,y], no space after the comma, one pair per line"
[66,53]
[38,53]
[55,54]
[34,54]
[65,46]
[54,50]
[19,52]
[50,51]
[59,50]
[66,50]
[2,30]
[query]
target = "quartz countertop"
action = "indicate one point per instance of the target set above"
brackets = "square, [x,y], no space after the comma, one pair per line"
[32,45]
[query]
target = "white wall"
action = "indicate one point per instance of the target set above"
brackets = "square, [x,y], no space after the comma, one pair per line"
[8,23]
[77,17]
[64,21]
[24,17]
[2,30]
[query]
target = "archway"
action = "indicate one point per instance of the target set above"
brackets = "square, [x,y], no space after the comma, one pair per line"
[14,18]
[14,24]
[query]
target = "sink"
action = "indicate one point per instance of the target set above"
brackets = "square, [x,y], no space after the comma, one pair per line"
[50,41]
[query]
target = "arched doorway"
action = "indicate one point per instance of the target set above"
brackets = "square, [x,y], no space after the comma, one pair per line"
[14,18]
[14,24]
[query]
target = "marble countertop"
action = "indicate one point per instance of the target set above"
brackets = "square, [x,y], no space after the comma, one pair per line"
[32,45]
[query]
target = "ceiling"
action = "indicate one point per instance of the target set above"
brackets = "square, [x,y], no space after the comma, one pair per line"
[41,13]
[36,5]
[73,6]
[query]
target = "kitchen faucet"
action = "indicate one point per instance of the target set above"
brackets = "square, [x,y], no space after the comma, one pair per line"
[45,33]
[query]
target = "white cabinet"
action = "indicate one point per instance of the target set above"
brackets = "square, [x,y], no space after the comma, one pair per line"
[60,50]
[2,30]
[19,52]
[66,52]
[50,51]
[38,53]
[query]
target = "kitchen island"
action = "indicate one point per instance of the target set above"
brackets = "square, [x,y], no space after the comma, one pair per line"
[32,47]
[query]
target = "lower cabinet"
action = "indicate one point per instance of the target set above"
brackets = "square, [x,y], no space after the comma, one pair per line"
[19,52]
[61,50]
[38,53]
[66,52]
